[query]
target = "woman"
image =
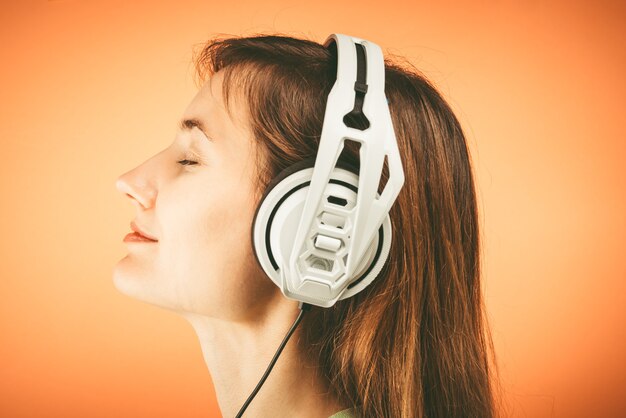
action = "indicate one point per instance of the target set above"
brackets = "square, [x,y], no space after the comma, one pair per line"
[414,343]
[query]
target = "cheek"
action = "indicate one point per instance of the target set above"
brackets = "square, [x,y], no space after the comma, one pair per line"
[203,224]
[206,250]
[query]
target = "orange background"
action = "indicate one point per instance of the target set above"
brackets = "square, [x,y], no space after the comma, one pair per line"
[92,88]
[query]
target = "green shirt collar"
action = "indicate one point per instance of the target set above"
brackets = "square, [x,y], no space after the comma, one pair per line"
[346,413]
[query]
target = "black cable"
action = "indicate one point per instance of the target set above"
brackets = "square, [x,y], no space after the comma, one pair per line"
[303,307]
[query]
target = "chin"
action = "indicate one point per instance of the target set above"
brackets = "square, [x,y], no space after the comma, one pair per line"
[124,284]
[140,286]
[129,281]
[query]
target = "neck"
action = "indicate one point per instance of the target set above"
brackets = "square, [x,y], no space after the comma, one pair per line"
[237,354]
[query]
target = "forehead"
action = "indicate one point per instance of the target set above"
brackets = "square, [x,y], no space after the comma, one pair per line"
[208,105]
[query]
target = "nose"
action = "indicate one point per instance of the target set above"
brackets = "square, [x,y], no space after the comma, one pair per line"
[136,188]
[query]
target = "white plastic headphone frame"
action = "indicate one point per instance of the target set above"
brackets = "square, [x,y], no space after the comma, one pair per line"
[371,210]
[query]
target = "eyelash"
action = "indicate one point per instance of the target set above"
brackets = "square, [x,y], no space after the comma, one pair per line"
[197,159]
[187,162]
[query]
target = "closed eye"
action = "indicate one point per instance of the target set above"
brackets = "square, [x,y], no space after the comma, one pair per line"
[187,162]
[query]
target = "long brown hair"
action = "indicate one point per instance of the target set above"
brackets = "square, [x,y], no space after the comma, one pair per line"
[415,342]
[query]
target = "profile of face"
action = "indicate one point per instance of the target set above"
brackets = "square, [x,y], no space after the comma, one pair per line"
[197,198]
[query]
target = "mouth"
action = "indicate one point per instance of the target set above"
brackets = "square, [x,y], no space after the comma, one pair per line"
[138,235]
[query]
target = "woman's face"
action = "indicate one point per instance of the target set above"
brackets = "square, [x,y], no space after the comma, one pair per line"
[201,215]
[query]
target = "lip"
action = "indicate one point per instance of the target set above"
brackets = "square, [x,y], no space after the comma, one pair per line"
[136,237]
[139,234]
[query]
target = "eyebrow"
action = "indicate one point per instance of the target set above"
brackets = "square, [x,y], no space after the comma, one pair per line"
[190,123]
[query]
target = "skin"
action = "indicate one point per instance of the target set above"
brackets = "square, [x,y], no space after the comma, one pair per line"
[203,266]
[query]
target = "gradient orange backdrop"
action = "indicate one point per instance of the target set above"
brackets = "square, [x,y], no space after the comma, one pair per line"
[92,88]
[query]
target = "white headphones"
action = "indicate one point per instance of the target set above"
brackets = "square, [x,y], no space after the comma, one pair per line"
[321,231]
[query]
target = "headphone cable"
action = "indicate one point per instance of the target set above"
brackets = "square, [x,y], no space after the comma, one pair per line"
[303,307]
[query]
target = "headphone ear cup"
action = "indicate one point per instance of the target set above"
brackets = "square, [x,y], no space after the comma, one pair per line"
[307,163]
[278,214]
[260,247]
